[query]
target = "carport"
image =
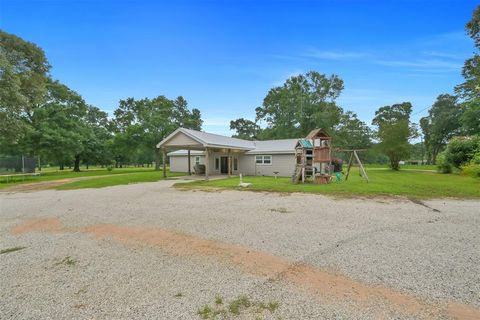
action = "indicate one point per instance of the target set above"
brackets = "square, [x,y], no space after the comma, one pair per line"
[187,139]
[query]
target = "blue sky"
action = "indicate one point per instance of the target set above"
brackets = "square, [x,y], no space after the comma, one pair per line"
[224,56]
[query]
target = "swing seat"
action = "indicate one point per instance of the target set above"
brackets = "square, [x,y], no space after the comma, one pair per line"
[338,176]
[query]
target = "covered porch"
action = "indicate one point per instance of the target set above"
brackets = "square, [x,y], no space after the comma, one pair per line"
[219,157]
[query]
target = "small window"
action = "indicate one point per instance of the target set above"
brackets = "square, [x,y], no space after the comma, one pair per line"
[263,160]
[197,160]
[217,164]
[235,163]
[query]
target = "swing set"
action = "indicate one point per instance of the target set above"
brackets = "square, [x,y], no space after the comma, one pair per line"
[354,157]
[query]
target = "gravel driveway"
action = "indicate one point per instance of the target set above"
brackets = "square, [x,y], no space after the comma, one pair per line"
[153,252]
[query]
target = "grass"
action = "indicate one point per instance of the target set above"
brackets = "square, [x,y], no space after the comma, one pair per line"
[242,305]
[432,167]
[68,261]
[49,175]
[101,177]
[108,181]
[8,250]
[408,183]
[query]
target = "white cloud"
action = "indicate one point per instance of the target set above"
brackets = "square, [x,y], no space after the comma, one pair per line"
[446,55]
[335,55]
[425,64]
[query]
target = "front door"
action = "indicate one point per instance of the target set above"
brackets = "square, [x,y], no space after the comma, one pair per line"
[224,164]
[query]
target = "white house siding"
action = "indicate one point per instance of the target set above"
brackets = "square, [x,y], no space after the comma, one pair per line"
[182,140]
[180,163]
[214,155]
[282,163]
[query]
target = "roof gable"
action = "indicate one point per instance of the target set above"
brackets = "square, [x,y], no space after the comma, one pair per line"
[317,133]
[205,139]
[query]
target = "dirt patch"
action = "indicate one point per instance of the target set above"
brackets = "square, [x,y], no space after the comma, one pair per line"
[46,225]
[45,185]
[42,185]
[316,281]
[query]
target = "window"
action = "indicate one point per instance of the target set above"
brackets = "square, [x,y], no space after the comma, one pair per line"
[217,164]
[263,160]
[197,160]
[235,163]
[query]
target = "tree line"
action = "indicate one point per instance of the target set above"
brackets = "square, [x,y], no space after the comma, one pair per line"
[40,116]
[308,101]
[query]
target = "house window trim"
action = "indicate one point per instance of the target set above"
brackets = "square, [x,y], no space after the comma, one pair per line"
[217,164]
[235,164]
[196,160]
[263,160]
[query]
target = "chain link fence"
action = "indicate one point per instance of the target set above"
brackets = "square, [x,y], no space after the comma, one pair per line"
[10,165]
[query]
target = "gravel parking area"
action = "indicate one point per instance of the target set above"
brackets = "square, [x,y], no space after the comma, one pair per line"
[153,252]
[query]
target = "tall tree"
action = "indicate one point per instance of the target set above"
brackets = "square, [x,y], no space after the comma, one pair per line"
[60,128]
[143,123]
[441,124]
[24,75]
[471,69]
[302,103]
[470,88]
[470,118]
[351,132]
[245,129]
[394,132]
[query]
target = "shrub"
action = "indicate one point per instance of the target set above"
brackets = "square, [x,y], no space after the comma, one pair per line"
[473,167]
[110,168]
[461,150]
[443,165]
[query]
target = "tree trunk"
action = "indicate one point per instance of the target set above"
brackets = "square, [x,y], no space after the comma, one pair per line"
[157,159]
[434,155]
[87,165]
[394,164]
[76,167]
[62,167]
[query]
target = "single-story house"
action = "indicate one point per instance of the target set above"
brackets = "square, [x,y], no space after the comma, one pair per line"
[226,155]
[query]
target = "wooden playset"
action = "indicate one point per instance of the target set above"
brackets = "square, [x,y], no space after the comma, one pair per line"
[313,157]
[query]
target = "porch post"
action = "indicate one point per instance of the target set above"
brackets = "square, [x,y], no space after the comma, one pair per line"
[189,164]
[229,163]
[206,163]
[164,162]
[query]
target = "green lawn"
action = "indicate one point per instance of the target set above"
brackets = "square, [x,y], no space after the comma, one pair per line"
[404,166]
[101,182]
[409,183]
[50,175]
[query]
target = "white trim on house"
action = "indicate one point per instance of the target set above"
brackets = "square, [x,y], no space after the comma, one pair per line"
[276,155]
[262,159]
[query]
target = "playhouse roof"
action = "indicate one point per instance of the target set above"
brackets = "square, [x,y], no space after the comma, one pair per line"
[317,133]
[305,143]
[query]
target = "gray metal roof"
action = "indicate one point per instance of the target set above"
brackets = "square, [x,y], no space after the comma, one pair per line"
[212,140]
[274,146]
[215,140]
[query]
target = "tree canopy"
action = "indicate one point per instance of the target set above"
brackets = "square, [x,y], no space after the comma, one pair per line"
[303,102]
[41,116]
[394,131]
[441,124]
